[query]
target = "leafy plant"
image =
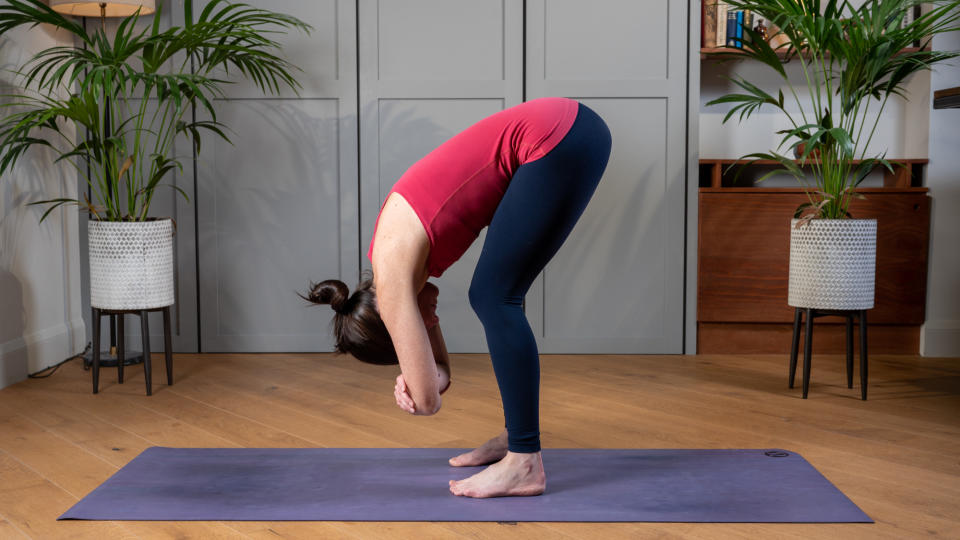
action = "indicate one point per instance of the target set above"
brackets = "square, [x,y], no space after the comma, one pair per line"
[109,83]
[851,58]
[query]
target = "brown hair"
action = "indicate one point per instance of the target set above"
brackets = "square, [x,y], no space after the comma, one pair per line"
[357,326]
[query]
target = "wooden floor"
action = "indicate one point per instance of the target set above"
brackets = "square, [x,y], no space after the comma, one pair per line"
[897,455]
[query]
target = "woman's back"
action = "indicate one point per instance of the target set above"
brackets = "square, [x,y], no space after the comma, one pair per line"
[456,188]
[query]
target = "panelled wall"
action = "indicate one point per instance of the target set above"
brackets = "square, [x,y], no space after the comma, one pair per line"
[278,208]
[616,286]
[428,70]
[295,197]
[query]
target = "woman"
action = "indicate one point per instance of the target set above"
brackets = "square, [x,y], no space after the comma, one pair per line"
[528,172]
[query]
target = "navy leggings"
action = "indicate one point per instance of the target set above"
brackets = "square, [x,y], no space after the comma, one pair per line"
[543,202]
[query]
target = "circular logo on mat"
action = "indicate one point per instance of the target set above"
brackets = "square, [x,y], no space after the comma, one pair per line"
[776,453]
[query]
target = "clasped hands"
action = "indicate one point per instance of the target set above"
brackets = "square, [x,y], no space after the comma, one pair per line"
[402,393]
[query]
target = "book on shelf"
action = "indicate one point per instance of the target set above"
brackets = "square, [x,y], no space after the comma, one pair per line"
[910,15]
[723,26]
[708,20]
[721,18]
[734,18]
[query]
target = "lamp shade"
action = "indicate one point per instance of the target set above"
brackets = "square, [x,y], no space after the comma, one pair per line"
[115,8]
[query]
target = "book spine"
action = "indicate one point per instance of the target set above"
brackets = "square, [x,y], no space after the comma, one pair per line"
[916,15]
[741,17]
[709,23]
[722,9]
[747,23]
[907,18]
[734,18]
[731,29]
[703,18]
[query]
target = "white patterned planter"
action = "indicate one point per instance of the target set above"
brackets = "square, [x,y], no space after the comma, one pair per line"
[833,264]
[131,264]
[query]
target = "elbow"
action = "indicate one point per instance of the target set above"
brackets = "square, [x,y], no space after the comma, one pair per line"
[431,407]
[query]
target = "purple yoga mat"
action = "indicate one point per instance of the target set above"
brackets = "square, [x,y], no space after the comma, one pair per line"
[410,484]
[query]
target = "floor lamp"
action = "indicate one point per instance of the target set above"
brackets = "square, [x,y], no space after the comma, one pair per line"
[113,8]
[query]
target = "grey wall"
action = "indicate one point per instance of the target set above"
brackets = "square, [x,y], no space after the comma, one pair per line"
[616,285]
[40,321]
[278,208]
[428,70]
[941,332]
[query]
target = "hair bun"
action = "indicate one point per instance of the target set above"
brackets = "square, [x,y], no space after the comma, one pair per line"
[331,291]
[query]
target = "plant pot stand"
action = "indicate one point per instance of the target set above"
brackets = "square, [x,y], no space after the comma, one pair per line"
[811,314]
[145,333]
[108,358]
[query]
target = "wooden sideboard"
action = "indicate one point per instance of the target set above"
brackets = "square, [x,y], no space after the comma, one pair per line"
[743,260]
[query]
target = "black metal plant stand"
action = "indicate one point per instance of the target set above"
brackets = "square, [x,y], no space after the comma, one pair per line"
[812,314]
[145,334]
[108,358]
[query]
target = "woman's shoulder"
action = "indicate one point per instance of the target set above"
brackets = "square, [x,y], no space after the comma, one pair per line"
[401,240]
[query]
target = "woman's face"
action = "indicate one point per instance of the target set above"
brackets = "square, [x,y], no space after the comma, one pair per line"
[427,300]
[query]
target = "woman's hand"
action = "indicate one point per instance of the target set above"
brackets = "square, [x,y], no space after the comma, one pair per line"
[404,401]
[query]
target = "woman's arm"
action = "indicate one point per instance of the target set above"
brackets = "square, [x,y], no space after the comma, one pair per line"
[427,299]
[399,261]
[440,356]
[401,315]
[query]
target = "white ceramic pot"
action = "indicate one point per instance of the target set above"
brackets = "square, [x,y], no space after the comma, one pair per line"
[833,264]
[131,264]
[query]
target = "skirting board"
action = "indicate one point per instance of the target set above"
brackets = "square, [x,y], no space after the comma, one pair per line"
[39,350]
[940,339]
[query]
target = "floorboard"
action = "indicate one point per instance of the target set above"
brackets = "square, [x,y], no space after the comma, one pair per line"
[894,455]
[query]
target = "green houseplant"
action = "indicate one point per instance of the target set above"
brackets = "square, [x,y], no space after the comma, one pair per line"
[852,60]
[133,94]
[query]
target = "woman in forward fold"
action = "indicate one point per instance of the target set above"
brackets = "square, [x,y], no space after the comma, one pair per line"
[528,172]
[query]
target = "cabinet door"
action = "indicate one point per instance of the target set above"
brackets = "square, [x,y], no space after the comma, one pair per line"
[616,286]
[278,208]
[428,70]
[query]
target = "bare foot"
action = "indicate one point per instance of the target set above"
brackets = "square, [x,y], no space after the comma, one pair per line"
[513,476]
[491,451]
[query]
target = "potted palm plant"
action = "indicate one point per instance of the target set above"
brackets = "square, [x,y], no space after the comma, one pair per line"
[132,93]
[853,59]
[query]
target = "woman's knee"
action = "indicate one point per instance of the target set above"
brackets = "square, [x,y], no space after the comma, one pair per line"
[480,299]
[490,303]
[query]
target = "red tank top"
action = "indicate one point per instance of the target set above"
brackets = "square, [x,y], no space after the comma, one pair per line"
[456,188]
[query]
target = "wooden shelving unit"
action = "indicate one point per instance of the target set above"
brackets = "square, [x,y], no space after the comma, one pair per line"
[720,173]
[948,98]
[743,262]
[744,249]
[721,53]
